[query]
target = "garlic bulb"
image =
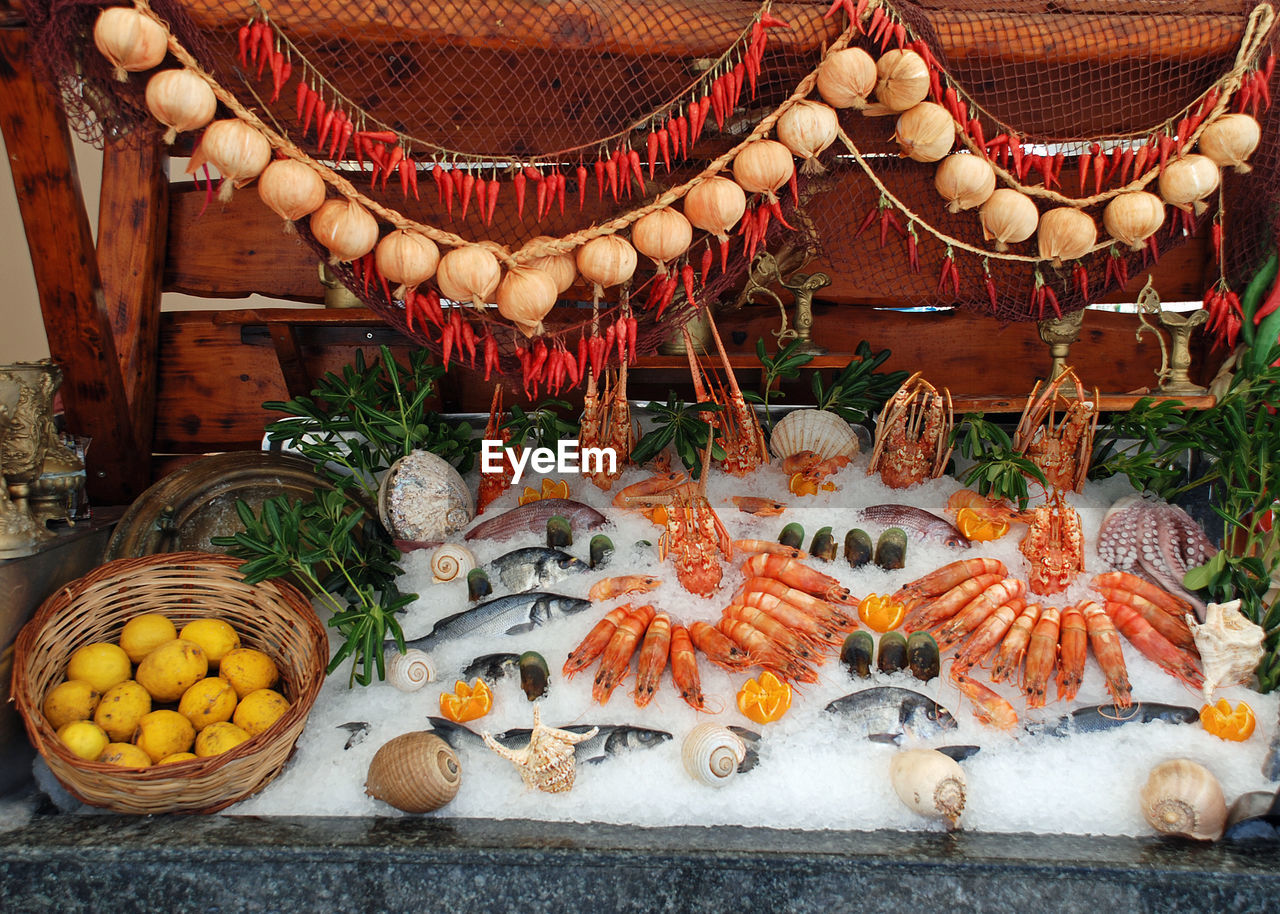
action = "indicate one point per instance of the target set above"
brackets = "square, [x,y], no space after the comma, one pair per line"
[1183,798]
[1065,233]
[291,190]
[662,236]
[1008,217]
[807,129]
[181,100]
[469,273]
[131,41]
[1230,140]
[925,132]
[346,228]
[902,82]
[1185,182]
[763,167]
[715,205]
[561,267]
[1133,218]
[965,181]
[930,783]
[407,258]
[239,152]
[525,296]
[846,78]
[606,261]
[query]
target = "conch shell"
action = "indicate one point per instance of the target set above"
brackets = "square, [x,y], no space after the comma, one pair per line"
[411,670]
[415,772]
[1230,646]
[712,754]
[1183,798]
[547,763]
[451,562]
[817,430]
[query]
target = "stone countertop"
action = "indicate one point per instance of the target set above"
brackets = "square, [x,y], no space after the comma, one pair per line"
[242,864]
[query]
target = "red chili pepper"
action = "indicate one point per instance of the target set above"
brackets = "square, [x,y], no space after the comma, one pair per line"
[869,218]
[682,131]
[913,253]
[325,124]
[935,85]
[721,86]
[1215,240]
[750,229]
[633,329]
[620,335]
[466,184]
[951,101]
[997,141]
[794,187]
[469,341]
[1262,87]
[1081,276]
[491,199]
[633,160]
[886,219]
[1140,161]
[738,74]
[877,23]
[335,132]
[242,44]
[393,162]
[596,349]
[1166,146]
[378,156]
[1152,248]
[724,254]
[300,103]
[1015,150]
[707,259]
[686,275]
[583,355]
[975,133]
[836,5]
[581,175]
[561,181]
[260,45]
[438,175]
[448,179]
[669,285]
[540,353]
[611,171]
[406,166]
[366,271]
[664,146]
[344,141]
[697,117]
[433,310]
[446,343]
[600,169]
[990,282]
[651,146]
[944,275]
[543,205]
[1099,166]
[1269,304]
[490,346]
[1052,298]
[519,182]
[1183,135]
[481,191]
[277,76]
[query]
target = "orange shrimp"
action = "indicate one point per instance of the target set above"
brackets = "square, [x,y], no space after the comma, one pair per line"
[719,649]
[596,641]
[1042,654]
[1105,641]
[1014,646]
[989,707]
[615,663]
[764,652]
[989,634]
[684,668]
[653,658]
[928,613]
[821,610]
[663,482]
[793,617]
[1073,647]
[760,507]
[952,575]
[1154,646]
[977,610]
[795,574]
[1173,604]
[788,641]
[768,547]
[988,508]
[608,588]
[1173,628]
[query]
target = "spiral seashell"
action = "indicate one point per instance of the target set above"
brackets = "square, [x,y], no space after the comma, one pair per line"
[712,754]
[1183,798]
[822,432]
[411,670]
[451,562]
[415,772]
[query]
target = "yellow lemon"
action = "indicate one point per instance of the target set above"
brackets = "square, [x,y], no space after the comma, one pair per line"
[162,733]
[218,738]
[207,702]
[177,757]
[85,738]
[102,665]
[126,755]
[143,634]
[215,636]
[120,710]
[72,700]
[259,710]
[248,670]
[172,668]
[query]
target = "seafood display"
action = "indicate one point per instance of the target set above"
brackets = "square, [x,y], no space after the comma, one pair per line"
[1229,645]
[1053,546]
[925,525]
[547,761]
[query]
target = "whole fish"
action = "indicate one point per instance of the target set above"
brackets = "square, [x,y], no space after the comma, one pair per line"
[492,667]
[611,740]
[513,614]
[358,729]
[1099,718]
[536,566]
[920,522]
[750,739]
[887,713]
[532,518]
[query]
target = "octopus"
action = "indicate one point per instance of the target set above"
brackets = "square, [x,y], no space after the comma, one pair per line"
[1157,541]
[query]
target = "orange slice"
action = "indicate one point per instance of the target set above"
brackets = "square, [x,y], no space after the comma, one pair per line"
[466,702]
[529,494]
[881,614]
[978,528]
[764,700]
[801,484]
[1225,722]
[555,488]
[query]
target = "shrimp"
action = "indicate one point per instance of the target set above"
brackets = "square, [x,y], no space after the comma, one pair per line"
[655,485]
[988,508]
[760,507]
[1105,641]
[821,610]
[788,641]
[1073,646]
[1014,646]
[684,668]
[764,652]
[1120,580]
[989,633]
[1173,628]
[1154,646]
[989,707]
[768,547]
[608,588]
[1042,654]
[653,658]
[795,618]
[718,648]
[596,641]
[795,574]
[952,575]
[615,664]
[928,613]
[977,610]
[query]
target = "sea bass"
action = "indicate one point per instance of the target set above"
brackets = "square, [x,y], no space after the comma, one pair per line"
[1108,717]
[611,740]
[513,614]
[924,525]
[533,517]
[886,714]
[536,566]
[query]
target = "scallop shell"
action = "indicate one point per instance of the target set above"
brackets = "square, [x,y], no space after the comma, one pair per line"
[712,754]
[1230,646]
[415,772]
[817,430]
[1183,798]
[423,499]
[411,670]
[451,562]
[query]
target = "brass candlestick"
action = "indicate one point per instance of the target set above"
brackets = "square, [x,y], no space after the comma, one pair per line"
[1058,334]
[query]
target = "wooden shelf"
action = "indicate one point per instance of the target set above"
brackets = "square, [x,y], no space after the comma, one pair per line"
[1107,403]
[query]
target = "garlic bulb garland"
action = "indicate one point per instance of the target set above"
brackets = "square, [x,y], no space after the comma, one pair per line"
[846,78]
[408,258]
[1008,217]
[925,132]
[291,189]
[606,261]
[763,167]
[1065,233]
[1185,182]
[181,100]
[561,267]
[239,152]
[902,82]
[1133,217]
[965,181]
[525,296]
[131,41]
[469,273]
[346,228]
[662,236]
[807,129]
[1230,140]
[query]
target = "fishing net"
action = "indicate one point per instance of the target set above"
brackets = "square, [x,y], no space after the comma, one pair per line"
[549,107]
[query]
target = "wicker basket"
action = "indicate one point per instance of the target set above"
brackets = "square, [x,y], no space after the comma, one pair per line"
[273,617]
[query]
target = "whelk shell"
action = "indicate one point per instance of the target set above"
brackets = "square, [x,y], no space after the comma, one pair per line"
[451,562]
[822,432]
[930,783]
[1183,798]
[415,772]
[712,753]
[1230,646]
[411,670]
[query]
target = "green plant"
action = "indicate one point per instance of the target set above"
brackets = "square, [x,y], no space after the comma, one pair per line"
[997,469]
[860,390]
[783,366]
[680,425]
[542,427]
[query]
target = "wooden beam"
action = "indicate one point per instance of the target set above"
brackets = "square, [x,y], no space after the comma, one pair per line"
[66,274]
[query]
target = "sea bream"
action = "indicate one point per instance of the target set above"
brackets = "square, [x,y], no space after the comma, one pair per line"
[886,714]
[535,567]
[513,614]
[923,524]
[533,517]
[609,741]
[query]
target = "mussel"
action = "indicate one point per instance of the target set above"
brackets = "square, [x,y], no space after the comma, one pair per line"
[792,535]
[534,675]
[600,551]
[922,656]
[857,548]
[892,655]
[559,532]
[478,586]
[823,545]
[858,653]
[891,549]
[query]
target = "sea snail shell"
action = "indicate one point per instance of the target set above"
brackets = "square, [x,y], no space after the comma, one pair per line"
[451,562]
[712,754]
[415,772]
[1183,798]
[930,783]
[411,670]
